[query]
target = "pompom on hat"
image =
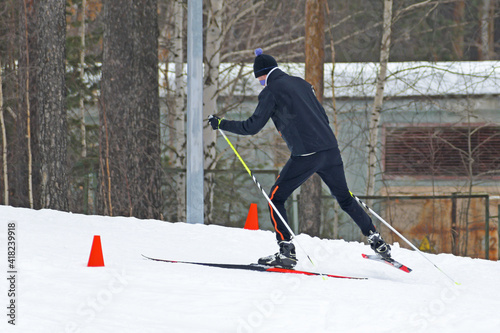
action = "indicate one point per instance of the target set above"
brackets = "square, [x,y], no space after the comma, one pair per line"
[263,63]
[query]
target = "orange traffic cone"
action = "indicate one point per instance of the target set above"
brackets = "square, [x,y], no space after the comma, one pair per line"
[252,222]
[96,259]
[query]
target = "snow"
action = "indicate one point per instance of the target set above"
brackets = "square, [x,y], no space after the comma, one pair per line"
[57,292]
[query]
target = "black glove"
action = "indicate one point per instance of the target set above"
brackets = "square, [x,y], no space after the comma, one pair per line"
[214,121]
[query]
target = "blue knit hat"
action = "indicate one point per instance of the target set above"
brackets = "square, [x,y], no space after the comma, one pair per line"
[263,63]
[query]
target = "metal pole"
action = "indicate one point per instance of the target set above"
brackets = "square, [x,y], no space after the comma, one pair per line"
[487,227]
[194,128]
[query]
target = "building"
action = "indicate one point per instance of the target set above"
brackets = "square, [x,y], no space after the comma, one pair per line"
[439,143]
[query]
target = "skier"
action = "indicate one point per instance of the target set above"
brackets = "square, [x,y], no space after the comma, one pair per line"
[302,122]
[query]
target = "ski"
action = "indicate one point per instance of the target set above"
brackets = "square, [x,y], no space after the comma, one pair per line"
[255,267]
[388,261]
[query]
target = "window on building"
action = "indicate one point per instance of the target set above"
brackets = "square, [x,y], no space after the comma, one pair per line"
[442,150]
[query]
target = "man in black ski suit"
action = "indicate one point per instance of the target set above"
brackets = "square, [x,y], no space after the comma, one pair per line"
[302,122]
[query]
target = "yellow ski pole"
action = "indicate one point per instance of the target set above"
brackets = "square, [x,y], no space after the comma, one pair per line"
[264,193]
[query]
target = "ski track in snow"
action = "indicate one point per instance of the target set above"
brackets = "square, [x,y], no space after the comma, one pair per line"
[57,292]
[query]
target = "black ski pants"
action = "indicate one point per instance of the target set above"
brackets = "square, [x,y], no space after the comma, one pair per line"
[329,166]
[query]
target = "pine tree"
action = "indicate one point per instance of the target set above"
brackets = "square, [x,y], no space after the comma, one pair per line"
[129,111]
[51,116]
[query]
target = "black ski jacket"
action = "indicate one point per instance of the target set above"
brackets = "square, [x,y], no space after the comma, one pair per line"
[296,112]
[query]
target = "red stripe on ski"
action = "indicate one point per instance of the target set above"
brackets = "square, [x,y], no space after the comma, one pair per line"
[390,262]
[293,271]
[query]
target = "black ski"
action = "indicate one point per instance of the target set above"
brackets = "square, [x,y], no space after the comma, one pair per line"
[254,267]
[388,261]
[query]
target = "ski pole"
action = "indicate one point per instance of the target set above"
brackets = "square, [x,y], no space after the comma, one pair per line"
[265,194]
[402,237]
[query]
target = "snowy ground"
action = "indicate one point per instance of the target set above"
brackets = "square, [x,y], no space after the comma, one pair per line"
[56,292]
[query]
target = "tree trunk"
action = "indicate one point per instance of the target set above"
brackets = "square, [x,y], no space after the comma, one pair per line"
[129,116]
[458,31]
[310,192]
[52,104]
[82,78]
[379,96]
[178,131]
[214,39]
[486,27]
[5,174]
[116,102]
[22,174]
[83,129]
[145,140]
[336,208]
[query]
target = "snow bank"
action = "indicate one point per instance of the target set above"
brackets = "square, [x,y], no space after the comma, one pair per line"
[56,292]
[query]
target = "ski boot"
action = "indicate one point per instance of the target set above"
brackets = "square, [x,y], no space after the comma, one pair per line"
[378,245]
[285,258]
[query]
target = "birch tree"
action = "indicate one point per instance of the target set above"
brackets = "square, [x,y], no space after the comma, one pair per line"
[486,25]
[178,112]
[171,50]
[214,39]
[379,97]
[221,17]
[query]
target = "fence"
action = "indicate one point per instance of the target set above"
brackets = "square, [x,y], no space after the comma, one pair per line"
[459,224]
